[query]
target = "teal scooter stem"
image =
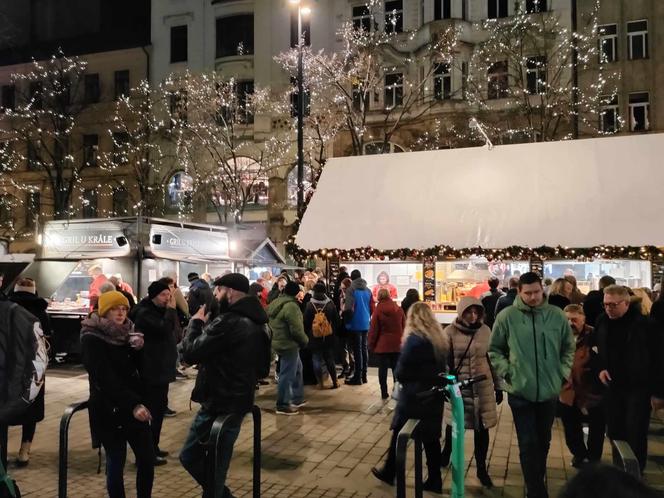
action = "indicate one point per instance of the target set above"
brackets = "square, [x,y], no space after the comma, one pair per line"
[458,460]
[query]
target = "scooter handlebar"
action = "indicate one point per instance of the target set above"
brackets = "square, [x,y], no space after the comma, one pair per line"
[445,382]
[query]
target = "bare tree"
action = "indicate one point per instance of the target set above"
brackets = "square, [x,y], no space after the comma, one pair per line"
[521,78]
[39,133]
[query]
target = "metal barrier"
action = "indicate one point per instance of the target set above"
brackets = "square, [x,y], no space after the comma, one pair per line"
[64,445]
[220,424]
[408,432]
[624,458]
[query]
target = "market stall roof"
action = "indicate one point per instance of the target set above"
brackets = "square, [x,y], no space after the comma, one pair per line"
[580,193]
[259,251]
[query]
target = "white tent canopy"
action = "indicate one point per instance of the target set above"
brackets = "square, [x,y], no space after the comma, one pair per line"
[581,193]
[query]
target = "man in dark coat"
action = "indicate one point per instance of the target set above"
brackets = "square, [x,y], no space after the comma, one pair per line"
[228,351]
[155,317]
[199,294]
[490,300]
[630,358]
[507,299]
[593,306]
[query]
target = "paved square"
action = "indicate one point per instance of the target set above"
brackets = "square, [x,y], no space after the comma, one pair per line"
[326,451]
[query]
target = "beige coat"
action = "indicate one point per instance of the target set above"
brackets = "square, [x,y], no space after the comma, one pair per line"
[479,400]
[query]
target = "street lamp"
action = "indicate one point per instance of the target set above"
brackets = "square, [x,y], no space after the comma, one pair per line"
[301,10]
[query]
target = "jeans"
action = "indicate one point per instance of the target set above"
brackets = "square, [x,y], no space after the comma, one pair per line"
[139,438]
[360,353]
[28,432]
[533,422]
[290,389]
[324,362]
[573,419]
[628,418]
[156,400]
[194,458]
[385,361]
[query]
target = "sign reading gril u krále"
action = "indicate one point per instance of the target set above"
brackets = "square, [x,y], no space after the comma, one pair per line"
[75,242]
[170,242]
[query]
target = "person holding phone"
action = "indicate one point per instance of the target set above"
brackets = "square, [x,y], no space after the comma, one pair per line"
[111,351]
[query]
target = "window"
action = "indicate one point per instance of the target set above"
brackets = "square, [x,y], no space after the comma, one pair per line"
[394,16]
[35,90]
[608,116]
[120,142]
[179,191]
[497,9]
[379,148]
[245,91]
[464,10]
[442,9]
[235,35]
[89,203]
[32,208]
[90,147]
[294,102]
[637,39]
[34,157]
[608,42]
[91,82]
[639,106]
[178,107]
[536,75]
[535,6]
[442,81]
[8,97]
[362,18]
[498,81]
[179,43]
[393,90]
[306,30]
[121,83]
[464,79]
[120,202]
[360,98]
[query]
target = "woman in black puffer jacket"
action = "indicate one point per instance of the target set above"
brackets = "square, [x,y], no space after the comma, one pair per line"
[110,350]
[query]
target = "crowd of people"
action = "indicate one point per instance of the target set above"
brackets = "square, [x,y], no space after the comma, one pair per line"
[592,359]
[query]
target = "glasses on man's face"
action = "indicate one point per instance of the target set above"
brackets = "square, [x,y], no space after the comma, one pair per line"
[613,306]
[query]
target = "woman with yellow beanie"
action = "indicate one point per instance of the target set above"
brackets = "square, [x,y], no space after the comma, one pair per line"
[110,349]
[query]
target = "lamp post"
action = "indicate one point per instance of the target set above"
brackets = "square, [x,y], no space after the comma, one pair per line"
[301,10]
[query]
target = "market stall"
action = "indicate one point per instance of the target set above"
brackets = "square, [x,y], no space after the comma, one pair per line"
[77,257]
[449,219]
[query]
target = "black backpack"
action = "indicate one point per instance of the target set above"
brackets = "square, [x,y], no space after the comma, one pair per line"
[264,357]
[23,360]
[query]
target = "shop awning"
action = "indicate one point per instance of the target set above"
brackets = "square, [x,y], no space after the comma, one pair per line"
[582,193]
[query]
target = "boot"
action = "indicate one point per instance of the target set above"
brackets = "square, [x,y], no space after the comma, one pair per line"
[483,475]
[434,483]
[384,475]
[24,454]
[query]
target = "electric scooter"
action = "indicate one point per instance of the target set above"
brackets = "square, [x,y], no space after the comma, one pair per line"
[451,390]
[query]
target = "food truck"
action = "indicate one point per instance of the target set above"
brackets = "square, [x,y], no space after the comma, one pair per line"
[445,221]
[76,257]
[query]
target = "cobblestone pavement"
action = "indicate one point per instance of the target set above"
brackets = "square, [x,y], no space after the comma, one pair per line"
[326,451]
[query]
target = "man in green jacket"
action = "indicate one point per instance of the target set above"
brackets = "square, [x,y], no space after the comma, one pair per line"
[532,349]
[288,336]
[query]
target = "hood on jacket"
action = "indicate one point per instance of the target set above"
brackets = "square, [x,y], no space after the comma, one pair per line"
[359,284]
[250,307]
[388,308]
[466,302]
[29,299]
[275,306]
[320,299]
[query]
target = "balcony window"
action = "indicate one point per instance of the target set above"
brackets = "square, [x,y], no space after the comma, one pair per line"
[497,9]
[362,18]
[394,16]
[498,80]
[235,35]
[536,75]
[179,43]
[442,81]
[393,90]
[442,9]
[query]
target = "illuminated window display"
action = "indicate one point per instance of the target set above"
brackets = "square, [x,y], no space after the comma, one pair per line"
[455,279]
[396,277]
[629,272]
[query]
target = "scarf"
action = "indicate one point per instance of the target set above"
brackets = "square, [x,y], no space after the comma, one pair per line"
[106,330]
[468,329]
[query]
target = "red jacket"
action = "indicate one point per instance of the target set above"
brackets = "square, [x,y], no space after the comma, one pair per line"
[386,330]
